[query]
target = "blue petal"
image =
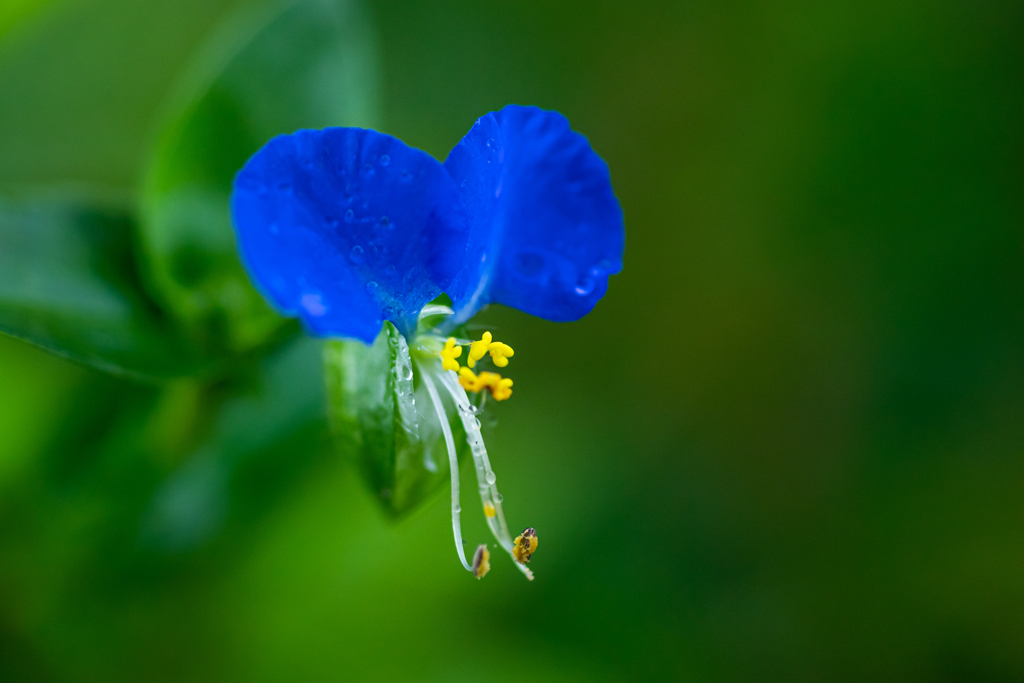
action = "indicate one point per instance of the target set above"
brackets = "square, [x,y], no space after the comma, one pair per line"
[346,228]
[546,230]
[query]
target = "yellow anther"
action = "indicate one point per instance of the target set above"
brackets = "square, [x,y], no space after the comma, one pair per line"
[478,349]
[469,380]
[525,545]
[500,353]
[449,353]
[500,388]
[481,561]
[488,509]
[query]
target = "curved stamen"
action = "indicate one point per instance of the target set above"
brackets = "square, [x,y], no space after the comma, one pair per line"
[485,475]
[453,462]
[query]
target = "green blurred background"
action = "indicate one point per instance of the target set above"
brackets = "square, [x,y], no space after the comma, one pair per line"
[786,446]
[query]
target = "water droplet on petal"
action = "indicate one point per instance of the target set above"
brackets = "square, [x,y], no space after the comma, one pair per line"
[457,508]
[391,270]
[372,287]
[385,222]
[350,216]
[356,255]
[585,286]
[491,477]
[499,498]
[385,160]
[313,305]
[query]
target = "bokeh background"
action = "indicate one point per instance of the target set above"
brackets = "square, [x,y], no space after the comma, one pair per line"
[788,445]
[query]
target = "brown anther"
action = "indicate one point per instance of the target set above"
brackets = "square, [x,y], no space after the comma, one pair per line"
[481,561]
[525,546]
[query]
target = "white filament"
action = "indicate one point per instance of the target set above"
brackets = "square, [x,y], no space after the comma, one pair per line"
[485,476]
[453,462]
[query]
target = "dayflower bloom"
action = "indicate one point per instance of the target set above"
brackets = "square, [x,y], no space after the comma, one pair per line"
[347,228]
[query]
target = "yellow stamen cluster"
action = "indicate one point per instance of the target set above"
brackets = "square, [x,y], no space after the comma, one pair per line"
[481,561]
[500,353]
[449,353]
[500,387]
[525,545]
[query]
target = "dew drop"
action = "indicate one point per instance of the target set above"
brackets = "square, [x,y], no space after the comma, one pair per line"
[385,222]
[350,216]
[385,160]
[476,423]
[406,372]
[372,287]
[313,304]
[491,477]
[585,286]
[490,142]
[499,498]
[391,270]
[457,508]
[356,255]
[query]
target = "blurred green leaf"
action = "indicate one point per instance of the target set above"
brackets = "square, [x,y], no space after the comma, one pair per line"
[69,284]
[257,425]
[14,11]
[270,69]
[372,398]
[81,83]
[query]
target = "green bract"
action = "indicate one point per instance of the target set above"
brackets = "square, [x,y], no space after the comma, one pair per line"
[373,395]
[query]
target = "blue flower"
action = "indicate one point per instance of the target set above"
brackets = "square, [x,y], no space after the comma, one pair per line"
[346,228]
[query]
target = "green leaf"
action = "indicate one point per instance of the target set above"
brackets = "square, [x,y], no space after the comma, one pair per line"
[269,70]
[383,420]
[69,284]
